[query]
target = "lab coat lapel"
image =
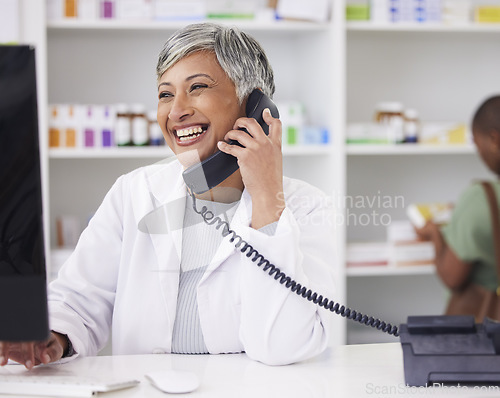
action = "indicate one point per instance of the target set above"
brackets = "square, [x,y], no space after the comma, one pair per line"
[172,201]
[242,218]
[161,212]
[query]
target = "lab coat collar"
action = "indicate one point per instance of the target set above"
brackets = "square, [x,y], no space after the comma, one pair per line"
[160,179]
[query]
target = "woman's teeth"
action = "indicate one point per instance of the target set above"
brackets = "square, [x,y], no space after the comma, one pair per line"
[189,134]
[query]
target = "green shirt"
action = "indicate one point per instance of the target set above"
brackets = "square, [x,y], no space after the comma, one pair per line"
[470,234]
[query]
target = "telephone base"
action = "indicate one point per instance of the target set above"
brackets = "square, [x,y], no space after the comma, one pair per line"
[450,350]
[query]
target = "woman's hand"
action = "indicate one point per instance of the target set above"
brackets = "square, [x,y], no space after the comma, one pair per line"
[261,166]
[428,232]
[33,353]
[452,270]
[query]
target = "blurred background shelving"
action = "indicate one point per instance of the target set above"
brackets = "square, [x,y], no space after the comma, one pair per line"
[339,70]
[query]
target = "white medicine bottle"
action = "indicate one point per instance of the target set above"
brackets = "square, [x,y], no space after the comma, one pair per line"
[140,125]
[390,116]
[123,128]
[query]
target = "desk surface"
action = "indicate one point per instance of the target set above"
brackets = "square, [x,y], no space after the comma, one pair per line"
[371,370]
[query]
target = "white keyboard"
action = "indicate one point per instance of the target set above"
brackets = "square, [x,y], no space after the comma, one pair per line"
[59,386]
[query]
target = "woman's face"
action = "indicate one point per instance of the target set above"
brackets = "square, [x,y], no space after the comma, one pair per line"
[197,106]
[488,146]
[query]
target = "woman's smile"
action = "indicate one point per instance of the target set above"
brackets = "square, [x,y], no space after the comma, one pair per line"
[190,135]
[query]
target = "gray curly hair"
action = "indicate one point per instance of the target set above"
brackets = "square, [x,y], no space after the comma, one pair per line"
[238,54]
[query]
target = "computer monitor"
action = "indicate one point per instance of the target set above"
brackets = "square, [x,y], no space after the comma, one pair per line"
[23,292]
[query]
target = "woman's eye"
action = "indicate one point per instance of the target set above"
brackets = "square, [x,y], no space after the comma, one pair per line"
[164,95]
[198,86]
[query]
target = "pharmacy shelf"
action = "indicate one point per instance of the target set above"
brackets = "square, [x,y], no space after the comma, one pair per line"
[304,150]
[409,149]
[245,24]
[161,152]
[389,270]
[423,27]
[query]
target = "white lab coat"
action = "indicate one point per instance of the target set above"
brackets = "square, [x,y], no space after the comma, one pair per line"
[124,275]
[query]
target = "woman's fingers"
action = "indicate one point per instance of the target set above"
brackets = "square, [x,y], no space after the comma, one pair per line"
[27,354]
[274,124]
[54,349]
[31,353]
[242,137]
[4,353]
[41,353]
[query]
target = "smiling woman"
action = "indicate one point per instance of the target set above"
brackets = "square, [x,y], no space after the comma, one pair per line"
[148,268]
[189,104]
[205,73]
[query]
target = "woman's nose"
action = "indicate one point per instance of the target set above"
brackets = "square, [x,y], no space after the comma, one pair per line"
[181,108]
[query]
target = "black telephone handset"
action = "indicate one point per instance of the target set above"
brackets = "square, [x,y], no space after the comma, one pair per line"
[204,176]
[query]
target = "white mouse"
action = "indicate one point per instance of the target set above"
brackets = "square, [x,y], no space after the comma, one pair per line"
[174,381]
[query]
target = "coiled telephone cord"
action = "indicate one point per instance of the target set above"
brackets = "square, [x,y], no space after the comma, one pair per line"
[210,218]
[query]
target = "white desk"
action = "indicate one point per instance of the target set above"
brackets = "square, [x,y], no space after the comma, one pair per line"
[373,370]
